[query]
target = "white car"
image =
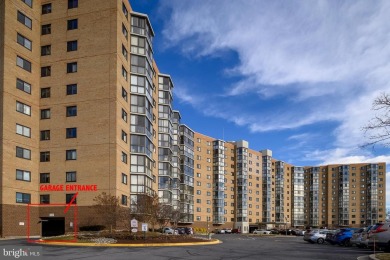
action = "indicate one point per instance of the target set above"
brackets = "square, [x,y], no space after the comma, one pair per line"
[168,230]
[262,232]
[316,236]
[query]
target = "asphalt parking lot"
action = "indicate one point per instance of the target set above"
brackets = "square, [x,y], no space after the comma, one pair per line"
[233,247]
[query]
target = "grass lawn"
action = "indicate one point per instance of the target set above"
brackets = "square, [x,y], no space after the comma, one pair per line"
[383,256]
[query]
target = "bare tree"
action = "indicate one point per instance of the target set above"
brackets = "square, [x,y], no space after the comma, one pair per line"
[108,208]
[176,216]
[164,214]
[378,128]
[146,209]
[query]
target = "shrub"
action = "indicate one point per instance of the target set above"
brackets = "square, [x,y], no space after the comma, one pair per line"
[92,228]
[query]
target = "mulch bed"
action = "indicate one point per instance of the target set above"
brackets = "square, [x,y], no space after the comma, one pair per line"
[161,240]
[129,238]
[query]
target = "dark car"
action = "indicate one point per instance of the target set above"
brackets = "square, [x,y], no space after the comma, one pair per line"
[181,231]
[236,231]
[188,230]
[329,237]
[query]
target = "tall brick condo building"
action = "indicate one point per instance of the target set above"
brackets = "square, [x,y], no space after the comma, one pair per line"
[85,110]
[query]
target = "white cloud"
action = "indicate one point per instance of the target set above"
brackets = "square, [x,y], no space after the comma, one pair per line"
[327,60]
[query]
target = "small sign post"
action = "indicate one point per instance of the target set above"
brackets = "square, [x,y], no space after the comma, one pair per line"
[134,223]
[144,229]
[134,226]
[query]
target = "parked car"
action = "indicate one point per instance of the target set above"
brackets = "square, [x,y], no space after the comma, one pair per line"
[285,232]
[356,238]
[330,235]
[261,231]
[316,236]
[236,231]
[379,236]
[228,230]
[343,237]
[299,232]
[168,230]
[180,231]
[365,236]
[220,231]
[189,230]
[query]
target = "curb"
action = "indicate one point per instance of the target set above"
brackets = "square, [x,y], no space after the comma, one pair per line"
[214,242]
[373,257]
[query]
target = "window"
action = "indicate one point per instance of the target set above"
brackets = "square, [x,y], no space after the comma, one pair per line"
[125,11]
[71,132]
[45,71]
[124,51]
[71,67]
[45,113]
[23,197]
[23,86]
[124,31]
[124,157]
[28,2]
[71,89]
[124,136]
[23,153]
[23,108]
[24,64]
[71,111]
[124,200]
[45,50]
[23,130]
[44,178]
[73,4]
[70,176]
[23,175]
[46,29]
[124,73]
[24,41]
[138,64]
[71,46]
[124,178]
[45,135]
[71,154]
[44,157]
[124,115]
[69,198]
[45,92]
[24,20]
[44,199]
[46,8]
[124,94]
[72,24]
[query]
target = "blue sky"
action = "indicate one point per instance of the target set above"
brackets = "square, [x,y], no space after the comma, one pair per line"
[296,77]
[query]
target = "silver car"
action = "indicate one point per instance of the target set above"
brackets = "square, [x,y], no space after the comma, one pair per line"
[356,238]
[379,236]
[316,236]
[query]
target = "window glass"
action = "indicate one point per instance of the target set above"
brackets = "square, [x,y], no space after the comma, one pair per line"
[23,197]
[24,20]
[72,24]
[23,63]
[71,89]
[23,86]
[24,41]
[46,8]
